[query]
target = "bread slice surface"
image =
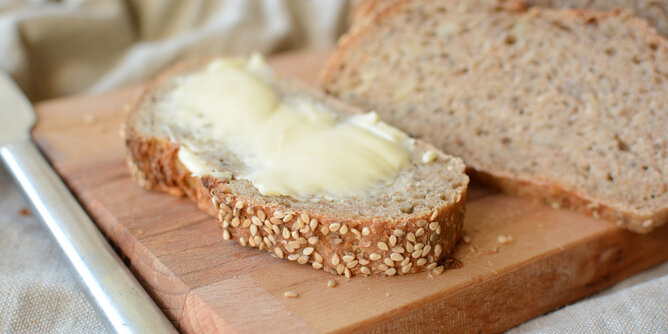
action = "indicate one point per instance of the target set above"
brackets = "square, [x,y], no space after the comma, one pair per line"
[568,106]
[422,208]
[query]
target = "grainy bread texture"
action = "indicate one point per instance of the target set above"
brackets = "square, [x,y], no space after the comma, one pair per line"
[410,226]
[654,11]
[562,105]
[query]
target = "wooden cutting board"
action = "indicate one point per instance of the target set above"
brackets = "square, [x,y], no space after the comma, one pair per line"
[206,284]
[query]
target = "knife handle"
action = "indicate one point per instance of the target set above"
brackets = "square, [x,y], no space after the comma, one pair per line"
[112,289]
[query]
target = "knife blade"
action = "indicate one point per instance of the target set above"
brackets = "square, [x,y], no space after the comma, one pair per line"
[112,290]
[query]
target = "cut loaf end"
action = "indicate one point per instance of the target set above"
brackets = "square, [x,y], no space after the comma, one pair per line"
[408,224]
[566,106]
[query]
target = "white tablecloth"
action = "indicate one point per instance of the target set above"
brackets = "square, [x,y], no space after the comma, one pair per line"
[72,47]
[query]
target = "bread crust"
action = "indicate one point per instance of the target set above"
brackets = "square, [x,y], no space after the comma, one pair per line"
[351,246]
[547,191]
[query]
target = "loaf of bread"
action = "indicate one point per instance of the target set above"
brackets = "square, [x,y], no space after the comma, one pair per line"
[405,224]
[654,11]
[567,106]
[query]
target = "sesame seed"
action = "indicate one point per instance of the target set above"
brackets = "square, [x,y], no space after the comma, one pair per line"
[242,241]
[340,268]
[235,212]
[278,252]
[399,232]
[258,240]
[426,250]
[382,267]
[335,259]
[421,262]
[251,242]
[275,221]
[286,233]
[288,218]
[383,246]
[398,249]
[313,224]
[411,237]
[438,270]
[226,223]
[434,215]
[416,254]
[276,229]
[290,294]
[364,262]
[267,242]
[365,270]
[409,247]
[334,227]
[405,269]
[418,246]
[278,214]
[419,232]
[214,201]
[433,226]
[438,229]
[225,207]
[295,234]
[352,264]
[302,259]
[304,216]
[305,229]
[235,222]
[318,257]
[431,265]
[421,223]
[296,226]
[253,230]
[301,241]
[344,229]
[246,223]
[293,257]
[256,221]
[347,272]
[267,230]
[337,241]
[261,214]
[366,231]
[324,230]
[388,262]
[221,216]
[393,240]
[289,248]
[331,283]
[239,205]
[405,261]
[313,240]
[428,156]
[317,265]
[374,257]
[390,272]
[308,250]
[226,234]
[272,238]
[396,257]
[356,232]
[437,250]
[348,258]
[250,210]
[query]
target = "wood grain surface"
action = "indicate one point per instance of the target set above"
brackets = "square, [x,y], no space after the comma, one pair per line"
[206,284]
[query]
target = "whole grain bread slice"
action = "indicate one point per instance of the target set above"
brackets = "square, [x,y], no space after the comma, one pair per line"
[568,106]
[410,226]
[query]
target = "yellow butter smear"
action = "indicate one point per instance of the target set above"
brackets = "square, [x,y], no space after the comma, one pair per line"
[291,145]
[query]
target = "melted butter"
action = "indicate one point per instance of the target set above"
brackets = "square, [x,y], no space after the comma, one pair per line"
[291,145]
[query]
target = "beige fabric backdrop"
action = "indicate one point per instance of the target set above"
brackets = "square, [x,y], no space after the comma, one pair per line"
[69,47]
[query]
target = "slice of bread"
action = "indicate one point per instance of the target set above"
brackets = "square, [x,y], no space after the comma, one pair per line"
[408,226]
[568,106]
[654,11]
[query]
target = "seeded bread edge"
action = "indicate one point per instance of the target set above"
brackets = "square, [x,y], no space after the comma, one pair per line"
[154,165]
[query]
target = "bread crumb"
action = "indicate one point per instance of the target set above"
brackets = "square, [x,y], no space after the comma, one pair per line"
[474,249]
[140,232]
[290,294]
[428,156]
[387,294]
[555,205]
[647,223]
[331,283]
[505,239]
[466,239]
[25,212]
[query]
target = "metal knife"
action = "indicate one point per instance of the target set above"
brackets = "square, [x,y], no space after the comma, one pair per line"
[113,291]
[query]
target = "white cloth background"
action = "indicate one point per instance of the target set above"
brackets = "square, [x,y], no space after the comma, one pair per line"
[68,47]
